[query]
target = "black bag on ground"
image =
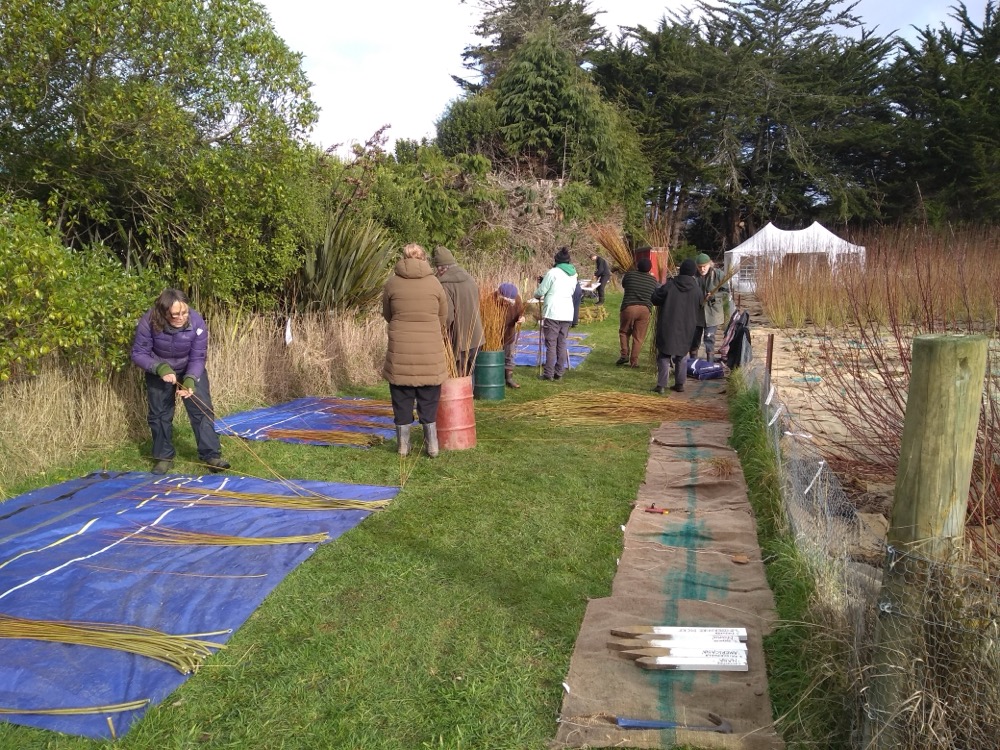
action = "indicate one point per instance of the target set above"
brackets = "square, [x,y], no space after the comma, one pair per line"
[702,369]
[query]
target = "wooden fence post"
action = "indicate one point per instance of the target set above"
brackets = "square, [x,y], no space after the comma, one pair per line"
[928,513]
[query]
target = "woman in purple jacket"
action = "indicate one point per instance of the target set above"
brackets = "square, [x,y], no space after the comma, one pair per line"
[170,344]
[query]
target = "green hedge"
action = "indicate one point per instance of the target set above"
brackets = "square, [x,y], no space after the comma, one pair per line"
[81,305]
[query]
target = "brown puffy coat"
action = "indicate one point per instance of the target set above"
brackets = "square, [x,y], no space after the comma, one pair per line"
[415,305]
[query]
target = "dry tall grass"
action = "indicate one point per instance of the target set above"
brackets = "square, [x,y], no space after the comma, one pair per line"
[915,276]
[54,418]
[62,413]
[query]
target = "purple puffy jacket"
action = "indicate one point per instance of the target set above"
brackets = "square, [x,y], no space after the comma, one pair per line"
[184,349]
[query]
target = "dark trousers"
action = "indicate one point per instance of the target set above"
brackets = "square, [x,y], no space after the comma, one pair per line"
[633,322]
[600,290]
[663,363]
[556,353]
[403,398]
[708,334]
[509,350]
[162,398]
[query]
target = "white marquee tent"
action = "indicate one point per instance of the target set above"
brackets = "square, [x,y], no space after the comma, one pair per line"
[771,245]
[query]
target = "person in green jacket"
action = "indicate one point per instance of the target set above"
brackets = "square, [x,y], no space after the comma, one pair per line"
[711,314]
[637,304]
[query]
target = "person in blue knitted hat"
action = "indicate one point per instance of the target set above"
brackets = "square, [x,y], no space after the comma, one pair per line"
[509,299]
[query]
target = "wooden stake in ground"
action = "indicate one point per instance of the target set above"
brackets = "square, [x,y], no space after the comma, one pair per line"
[928,514]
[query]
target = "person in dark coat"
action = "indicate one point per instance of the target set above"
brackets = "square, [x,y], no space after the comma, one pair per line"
[465,326]
[679,301]
[170,345]
[602,272]
[415,306]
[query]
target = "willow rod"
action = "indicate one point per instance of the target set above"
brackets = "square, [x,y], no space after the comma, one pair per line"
[164,535]
[185,653]
[108,709]
[261,499]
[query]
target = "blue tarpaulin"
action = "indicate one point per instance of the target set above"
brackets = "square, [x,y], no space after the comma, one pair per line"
[69,552]
[359,415]
[526,349]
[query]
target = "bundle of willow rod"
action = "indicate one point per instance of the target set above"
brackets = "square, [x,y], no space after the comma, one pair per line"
[609,237]
[164,535]
[610,407]
[657,232]
[269,500]
[365,420]
[109,709]
[493,312]
[727,277]
[340,437]
[449,355]
[185,653]
[375,407]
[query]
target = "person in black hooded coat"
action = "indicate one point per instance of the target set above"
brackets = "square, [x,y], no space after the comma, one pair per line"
[678,302]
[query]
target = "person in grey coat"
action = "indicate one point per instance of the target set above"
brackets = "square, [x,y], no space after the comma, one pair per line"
[711,313]
[465,327]
[678,302]
[170,345]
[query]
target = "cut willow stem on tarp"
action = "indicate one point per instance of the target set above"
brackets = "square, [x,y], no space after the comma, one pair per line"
[185,653]
[111,708]
[268,500]
[374,407]
[164,535]
[360,420]
[601,408]
[336,437]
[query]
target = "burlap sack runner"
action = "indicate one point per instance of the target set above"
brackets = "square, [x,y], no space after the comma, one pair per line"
[698,564]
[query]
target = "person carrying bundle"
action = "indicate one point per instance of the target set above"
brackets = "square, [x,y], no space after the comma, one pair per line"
[711,312]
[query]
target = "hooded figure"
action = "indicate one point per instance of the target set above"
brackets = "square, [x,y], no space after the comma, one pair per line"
[556,292]
[416,308]
[678,302]
[465,327]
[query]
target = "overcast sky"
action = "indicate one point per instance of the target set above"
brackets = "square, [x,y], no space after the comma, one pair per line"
[389,62]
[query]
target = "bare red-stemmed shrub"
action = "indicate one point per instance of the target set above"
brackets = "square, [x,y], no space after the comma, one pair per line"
[914,282]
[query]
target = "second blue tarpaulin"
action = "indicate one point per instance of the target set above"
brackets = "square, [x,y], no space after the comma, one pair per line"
[310,417]
[526,350]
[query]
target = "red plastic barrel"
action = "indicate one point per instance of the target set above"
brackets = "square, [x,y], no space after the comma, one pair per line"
[456,418]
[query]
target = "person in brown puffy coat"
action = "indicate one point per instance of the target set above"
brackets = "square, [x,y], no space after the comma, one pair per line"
[416,308]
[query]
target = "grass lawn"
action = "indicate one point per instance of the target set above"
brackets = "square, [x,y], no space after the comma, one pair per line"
[445,621]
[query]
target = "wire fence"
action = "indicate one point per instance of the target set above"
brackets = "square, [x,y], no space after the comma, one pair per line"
[922,650]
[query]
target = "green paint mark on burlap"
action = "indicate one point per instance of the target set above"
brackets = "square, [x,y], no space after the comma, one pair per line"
[687,582]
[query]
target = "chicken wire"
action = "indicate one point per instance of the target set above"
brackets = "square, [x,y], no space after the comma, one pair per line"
[924,651]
